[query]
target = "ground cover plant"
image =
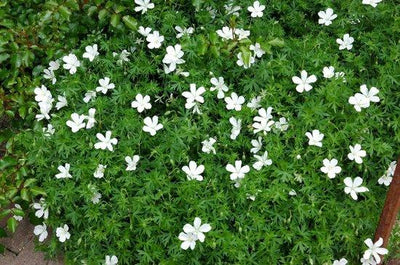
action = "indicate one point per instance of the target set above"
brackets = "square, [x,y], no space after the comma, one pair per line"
[218,133]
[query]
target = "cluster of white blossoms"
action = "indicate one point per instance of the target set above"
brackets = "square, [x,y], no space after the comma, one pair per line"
[192,233]
[387,178]
[363,100]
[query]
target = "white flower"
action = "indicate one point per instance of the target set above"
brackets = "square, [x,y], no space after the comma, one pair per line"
[346,43]
[330,168]
[54,65]
[42,94]
[359,101]
[328,71]
[226,33]
[340,75]
[258,51]
[90,118]
[49,130]
[173,57]
[369,261]
[236,127]
[219,85]
[372,3]
[254,103]
[197,229]
[151,125]
[356,153]
[41,231]
[105,85]
[387,178]
[143,5]
[282,124]
[144,31]
[105,141]
[48,74]
[375,249]
[45,108]
[189,240]
[342,261]
[62,102]
[91,52]
[241,61]
[256,10]
[193,96]
[371,94]
[231,9]
[263,122]
[89,95]
[208,145]
[123,57]
[131,162]
[315,138]
[326,17]
[303,83]
[183,31]
[71,62]
[76,123]
[234,102]
[64,172]
[96,198]
[113,260]
[99,173]
[155,40]
[292,193]
[257,144]
[41,209]
[18,217]
[353,187]
[262,161]
[141,103]
[237,171]
[241,33]
[62,233]
[193,171]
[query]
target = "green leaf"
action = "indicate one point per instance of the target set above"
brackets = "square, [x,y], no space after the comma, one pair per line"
[4,213]
[37,191]
[65,12]
[3,232]
[12,224]
[115,19]
[130,22]
[18,212]
[7,161]
[102,14]
[277,42]
[29,182]
[25,195]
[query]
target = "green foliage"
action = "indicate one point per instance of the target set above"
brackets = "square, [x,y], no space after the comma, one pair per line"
[142,212]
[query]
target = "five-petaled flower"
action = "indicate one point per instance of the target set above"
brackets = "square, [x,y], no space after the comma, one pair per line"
[342,261]
[91,52]
[131,162]
[99,173]
[106,142]
[262,161]
[315,138]
[143,5]
[154,40]
[234,102]
[71,63]
[375,249]
[237,171]
[41,209]
[111,260]
[303,82]
[219,85]
[105,85]
[193,97]
[193,171]
[354,187]
[326,17]
[173,57]
[356,153]
[77,122]
[151,125]
[41,231]
[141,103]
[62,233]
[236,127]
[208,145]
[64,172]
[346,43]
[256,10]
[331,168]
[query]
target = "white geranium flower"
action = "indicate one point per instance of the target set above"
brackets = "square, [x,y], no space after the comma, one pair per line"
[45,108]
[48,74]
[370,261]
[111,260]
[71,63]
[76,123]
[356,153]
[387,178]
[90,118]
[375,249]
[237,171]
[54,65]
[90,52]
[353,187]
[208,145]
[346,43]
[105,85]
[225,33]
[342,261]
[99,173]
[64,172]
[315,138]
[62,102]
[49,130]
[42,94]
[262,161]
[89,95]
[41,232]
[234,102]
[257,144]
[326,17]
[41,209]
[254,103]
[183,31]
[303,82]
[105,141]
[154,40]
[371,94]
[193,171]
[219,85]
[328,71]
[197,229]
[151,125]
[256,10]
[194,96]
[263,121]
[144,31]
[173,57]
[141,103]
[359,101]
[372,3]
[241,62]
[231,9]
[236,127]
[62,233]
[258,51]
[241,33]
[292,192]
[331,168]
[96,198]
[189,240]
[282,124]
[123,57]
[143,5]
[131,162]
